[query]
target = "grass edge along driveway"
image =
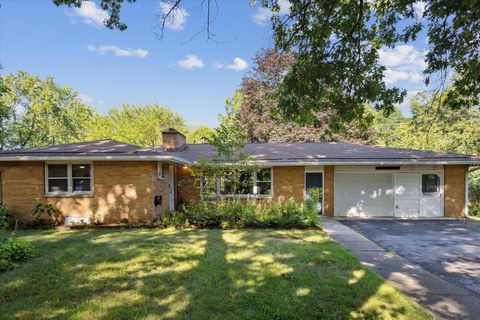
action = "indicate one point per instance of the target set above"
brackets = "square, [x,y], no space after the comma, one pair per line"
[196,274]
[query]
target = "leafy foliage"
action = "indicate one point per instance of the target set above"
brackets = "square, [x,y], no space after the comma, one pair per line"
[137,125]
[232,213]
[259,103]
[36,112]
[13,252]
[3,218]
[201,134]
[337,43]
[46,214]
[113,7]
[433,126]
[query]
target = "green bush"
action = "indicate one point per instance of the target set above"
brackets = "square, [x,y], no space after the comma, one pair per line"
[3,218]
[234,213]
[13,252]
[46,215]
[474,209]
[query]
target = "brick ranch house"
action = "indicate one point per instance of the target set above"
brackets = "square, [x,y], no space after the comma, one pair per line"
[112,180]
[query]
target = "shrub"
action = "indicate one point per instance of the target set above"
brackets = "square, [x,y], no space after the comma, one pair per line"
[474,209]
[54,217]
[235,214]
[3,218]
[13,252]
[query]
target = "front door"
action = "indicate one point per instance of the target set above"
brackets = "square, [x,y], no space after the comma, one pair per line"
[171,189]
[314,188]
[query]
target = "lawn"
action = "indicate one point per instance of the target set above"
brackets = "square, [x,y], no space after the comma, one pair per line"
[195,274]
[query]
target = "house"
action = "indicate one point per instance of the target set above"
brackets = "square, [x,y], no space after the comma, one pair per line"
[112,180]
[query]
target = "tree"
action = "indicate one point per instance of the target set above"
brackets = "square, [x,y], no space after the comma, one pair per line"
[433,126]
[36,112]
[337,43]
[137,125]
[259,103]
[229,161]
[201,134]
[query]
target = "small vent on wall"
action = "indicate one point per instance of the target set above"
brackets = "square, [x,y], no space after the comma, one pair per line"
[387,168]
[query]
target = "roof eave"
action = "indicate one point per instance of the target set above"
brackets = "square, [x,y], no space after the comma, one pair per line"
[169,158]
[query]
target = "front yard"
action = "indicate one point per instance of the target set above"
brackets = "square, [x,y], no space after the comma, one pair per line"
[195,274]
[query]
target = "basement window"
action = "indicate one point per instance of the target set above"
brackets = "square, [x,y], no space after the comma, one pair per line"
[430,183]
[68,178]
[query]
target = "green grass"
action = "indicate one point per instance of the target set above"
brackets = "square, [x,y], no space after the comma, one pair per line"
[195,274]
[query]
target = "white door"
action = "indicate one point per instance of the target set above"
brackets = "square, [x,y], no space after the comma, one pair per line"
[431,203]
[363,194]
[171,189]
[407,194]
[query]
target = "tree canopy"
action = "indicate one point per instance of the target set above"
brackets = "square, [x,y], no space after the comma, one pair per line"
[36,112]
[259,105]
[337,43]
[433,126]
[201,134]
[137,125]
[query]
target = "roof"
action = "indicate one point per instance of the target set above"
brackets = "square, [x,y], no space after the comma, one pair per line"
[264,153]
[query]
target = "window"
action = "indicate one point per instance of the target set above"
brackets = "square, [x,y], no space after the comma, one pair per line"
[263,181]
[209,186]
[67,178]
[258,183]
[430,183]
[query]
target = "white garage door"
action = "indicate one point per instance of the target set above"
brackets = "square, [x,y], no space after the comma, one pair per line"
[363,194]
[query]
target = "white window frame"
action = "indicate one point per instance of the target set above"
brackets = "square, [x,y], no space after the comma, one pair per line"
[69,178]
[218,183]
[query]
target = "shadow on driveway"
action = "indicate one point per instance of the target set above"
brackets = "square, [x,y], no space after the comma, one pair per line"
[449,249]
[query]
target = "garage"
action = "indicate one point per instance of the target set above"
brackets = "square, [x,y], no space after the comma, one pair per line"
[364,194]
[400,193]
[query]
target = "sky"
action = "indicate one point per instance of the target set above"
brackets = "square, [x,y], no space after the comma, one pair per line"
[193,77]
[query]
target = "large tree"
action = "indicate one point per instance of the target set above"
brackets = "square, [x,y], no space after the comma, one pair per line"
[433,126]
[36,112]
[137,125]
[259,103]
[337,45]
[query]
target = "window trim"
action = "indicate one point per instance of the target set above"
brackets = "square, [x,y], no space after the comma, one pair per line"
[246,196]
[70,178]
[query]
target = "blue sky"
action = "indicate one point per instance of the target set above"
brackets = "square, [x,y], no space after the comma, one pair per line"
[109,67]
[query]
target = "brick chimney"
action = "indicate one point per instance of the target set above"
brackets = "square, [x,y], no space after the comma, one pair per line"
[173,140]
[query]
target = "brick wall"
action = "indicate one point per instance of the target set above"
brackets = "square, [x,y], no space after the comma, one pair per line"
[328,189]
[288,182]
[121,190]
[187,190]
[455,190]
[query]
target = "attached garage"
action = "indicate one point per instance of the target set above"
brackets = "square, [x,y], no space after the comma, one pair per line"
[401,192]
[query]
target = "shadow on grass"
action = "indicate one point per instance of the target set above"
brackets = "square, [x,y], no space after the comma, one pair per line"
[203,274]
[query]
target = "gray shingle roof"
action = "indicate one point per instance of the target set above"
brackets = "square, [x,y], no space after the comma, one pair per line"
[309,152]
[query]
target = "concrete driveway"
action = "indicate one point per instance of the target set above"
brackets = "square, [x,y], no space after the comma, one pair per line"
[450,249]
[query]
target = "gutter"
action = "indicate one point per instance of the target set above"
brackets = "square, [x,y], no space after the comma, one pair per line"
[340,163]
[98,158]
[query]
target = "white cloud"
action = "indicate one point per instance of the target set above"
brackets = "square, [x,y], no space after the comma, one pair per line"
[405,105]
[263,15]
[119,52]
[90,14]
[404,63]
[191,61]
[176,19]
[419,8]
[238,64]
[392,76]
[84,98]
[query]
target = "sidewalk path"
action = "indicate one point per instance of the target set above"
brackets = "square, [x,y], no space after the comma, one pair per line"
[443,299]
